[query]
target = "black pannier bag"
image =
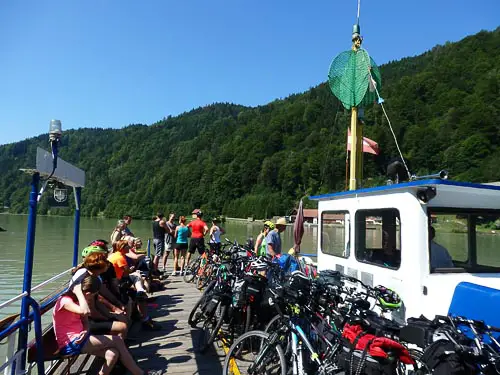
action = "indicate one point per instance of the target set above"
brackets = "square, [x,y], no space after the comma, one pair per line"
[239,293]
[210,304]
[440,358]
[418,331]
[254,288]
[360,362]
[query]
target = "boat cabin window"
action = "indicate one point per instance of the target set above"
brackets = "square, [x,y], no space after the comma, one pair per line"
[335,233]
[378,237]
[464,240]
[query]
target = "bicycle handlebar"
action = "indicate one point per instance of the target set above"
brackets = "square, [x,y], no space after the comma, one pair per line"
[477,324]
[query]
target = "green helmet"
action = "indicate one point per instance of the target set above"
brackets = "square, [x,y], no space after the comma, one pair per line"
[269,224]
[92,249]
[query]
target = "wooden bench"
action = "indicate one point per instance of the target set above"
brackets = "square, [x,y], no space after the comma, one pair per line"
[51,352]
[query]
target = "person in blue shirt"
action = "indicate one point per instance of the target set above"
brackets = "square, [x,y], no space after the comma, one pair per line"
[440,258]
[273,238]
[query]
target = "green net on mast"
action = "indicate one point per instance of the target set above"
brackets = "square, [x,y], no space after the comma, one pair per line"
[350,79]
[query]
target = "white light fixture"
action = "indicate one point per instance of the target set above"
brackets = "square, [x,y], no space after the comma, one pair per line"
[55,130]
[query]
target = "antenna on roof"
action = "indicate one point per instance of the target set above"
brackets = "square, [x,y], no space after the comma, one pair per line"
[442,175]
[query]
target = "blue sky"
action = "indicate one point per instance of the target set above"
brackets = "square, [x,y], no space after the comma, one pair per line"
[111,63]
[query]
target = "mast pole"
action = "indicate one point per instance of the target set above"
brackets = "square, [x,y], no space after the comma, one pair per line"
[353,181]
[356,159]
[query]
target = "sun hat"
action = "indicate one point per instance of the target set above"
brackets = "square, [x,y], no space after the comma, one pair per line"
[281,221]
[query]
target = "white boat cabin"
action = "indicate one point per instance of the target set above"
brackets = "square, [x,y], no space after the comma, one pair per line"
[420,238]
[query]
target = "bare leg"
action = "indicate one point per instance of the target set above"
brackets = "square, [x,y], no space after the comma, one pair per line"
[111,356]
[176,259]
[143,309]
[98,343]
[119,328]
[165,257]
[183,260]
[156,260]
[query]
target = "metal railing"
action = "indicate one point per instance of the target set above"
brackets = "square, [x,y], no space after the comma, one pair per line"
[33,317]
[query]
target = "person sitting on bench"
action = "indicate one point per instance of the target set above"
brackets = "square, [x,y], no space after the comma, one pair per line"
[128,276]
[104,318]
[72,334]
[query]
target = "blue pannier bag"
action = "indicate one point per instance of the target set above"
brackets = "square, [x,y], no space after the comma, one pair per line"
[287,262]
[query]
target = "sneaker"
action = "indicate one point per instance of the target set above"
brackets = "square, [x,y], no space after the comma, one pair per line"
[174,273]
[151,325]
[153,372]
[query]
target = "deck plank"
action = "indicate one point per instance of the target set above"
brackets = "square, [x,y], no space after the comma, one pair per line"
[173,349]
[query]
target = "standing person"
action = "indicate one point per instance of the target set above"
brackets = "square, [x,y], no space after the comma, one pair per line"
[181,245]
[118,233]
[159,229]
[72,335]
[199,230]
[261,243]
[215,232]
[273,238]
[169,239]
[127,219]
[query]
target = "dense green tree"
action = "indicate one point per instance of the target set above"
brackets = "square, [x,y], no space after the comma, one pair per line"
[444,107]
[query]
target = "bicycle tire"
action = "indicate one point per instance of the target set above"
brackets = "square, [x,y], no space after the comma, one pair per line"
[191,321]
[193,269]
[248,319]
[214,329]
[259,335]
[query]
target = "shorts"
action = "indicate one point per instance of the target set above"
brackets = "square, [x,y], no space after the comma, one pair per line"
[159,246]
[181,246]
[215,247]
[197,243]
[72,348]
[100,327]
[169,246]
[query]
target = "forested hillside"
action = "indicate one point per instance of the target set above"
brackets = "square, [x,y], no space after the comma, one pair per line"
[239,161]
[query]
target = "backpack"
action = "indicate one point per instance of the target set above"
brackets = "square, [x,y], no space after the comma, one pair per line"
[287,263]
[441,359]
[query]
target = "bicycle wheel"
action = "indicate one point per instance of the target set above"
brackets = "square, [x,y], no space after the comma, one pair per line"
[204,277]
[419,368]
[275,323]
[191,270]
[196,315]
[252,353]
[211,327]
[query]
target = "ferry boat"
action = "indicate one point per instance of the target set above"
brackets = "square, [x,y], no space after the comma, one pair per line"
[400,252]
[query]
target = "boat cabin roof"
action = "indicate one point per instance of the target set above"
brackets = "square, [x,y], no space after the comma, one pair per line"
[448,193]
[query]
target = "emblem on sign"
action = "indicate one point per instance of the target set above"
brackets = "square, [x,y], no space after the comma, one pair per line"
[60,195]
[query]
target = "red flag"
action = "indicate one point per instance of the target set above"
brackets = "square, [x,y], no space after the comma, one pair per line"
[369,146]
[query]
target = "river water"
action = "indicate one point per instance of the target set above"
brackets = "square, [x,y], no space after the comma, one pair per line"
[54,247]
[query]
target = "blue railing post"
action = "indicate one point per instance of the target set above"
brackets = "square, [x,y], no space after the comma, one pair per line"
[28,268]
[37,319]
[78,195]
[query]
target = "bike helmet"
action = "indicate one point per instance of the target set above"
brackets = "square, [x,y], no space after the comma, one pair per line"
[269,224]
[103,244]
[388,298]
[92,249]
[258,265]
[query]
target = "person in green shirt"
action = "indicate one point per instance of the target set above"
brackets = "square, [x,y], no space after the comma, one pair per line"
[260,243]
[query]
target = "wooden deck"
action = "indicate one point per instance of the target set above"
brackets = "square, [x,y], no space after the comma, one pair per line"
[173,349]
